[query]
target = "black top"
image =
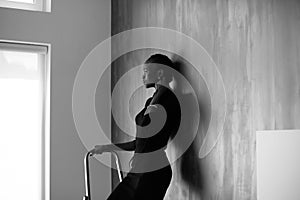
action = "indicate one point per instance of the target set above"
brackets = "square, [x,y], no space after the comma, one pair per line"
[149,145]
[158,141]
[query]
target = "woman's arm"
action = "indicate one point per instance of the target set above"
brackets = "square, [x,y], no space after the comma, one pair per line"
[127,146]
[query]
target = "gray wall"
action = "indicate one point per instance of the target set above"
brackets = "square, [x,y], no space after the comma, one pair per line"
[255,45]
[73,28]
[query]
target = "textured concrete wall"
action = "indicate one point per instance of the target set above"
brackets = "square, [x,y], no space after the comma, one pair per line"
[256,47]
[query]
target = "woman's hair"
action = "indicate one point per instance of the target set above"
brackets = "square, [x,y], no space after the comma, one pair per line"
[163,60]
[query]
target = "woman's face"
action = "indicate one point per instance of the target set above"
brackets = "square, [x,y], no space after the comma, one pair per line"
[150,75]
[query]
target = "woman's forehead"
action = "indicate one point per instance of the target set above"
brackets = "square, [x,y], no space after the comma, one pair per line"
[153,66]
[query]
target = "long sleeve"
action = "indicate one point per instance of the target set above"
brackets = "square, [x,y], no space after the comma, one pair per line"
[127,146]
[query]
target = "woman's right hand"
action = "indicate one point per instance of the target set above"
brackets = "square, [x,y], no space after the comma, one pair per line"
[98,149]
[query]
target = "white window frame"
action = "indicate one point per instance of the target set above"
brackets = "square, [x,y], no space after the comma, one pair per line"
[44,49]
[39,5]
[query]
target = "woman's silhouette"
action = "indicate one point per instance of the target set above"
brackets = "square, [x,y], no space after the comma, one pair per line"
[150,173]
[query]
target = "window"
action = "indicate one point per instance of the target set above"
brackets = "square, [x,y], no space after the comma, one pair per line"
[24,119]
[35,5]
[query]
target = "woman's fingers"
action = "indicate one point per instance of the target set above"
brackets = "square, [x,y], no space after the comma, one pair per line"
[93,151]
[151,108]
[97,150]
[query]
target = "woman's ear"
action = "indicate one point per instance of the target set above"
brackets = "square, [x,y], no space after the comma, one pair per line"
[160,73]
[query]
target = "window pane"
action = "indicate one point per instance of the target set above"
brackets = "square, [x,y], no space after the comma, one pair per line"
[21,125]
[33,5]
[23,1]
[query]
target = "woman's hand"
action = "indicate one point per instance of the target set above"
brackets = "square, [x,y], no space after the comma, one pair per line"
[98,149]
[151,108]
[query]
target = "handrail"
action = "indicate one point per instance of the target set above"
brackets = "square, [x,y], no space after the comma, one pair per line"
[87,177]
[87,173]
[118,164]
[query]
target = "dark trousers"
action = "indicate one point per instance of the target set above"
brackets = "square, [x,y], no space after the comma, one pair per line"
[145,186]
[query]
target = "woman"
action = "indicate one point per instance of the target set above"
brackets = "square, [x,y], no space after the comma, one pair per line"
[150,173]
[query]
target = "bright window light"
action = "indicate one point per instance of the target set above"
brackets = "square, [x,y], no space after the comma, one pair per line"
[22,146]
[33,5]
[23,1]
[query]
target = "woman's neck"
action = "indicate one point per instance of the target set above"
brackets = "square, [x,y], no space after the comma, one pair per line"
[161,83]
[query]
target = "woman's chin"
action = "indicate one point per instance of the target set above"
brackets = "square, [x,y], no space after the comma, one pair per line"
[149,85]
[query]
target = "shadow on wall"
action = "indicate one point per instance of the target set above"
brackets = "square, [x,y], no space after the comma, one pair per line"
[189,166]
